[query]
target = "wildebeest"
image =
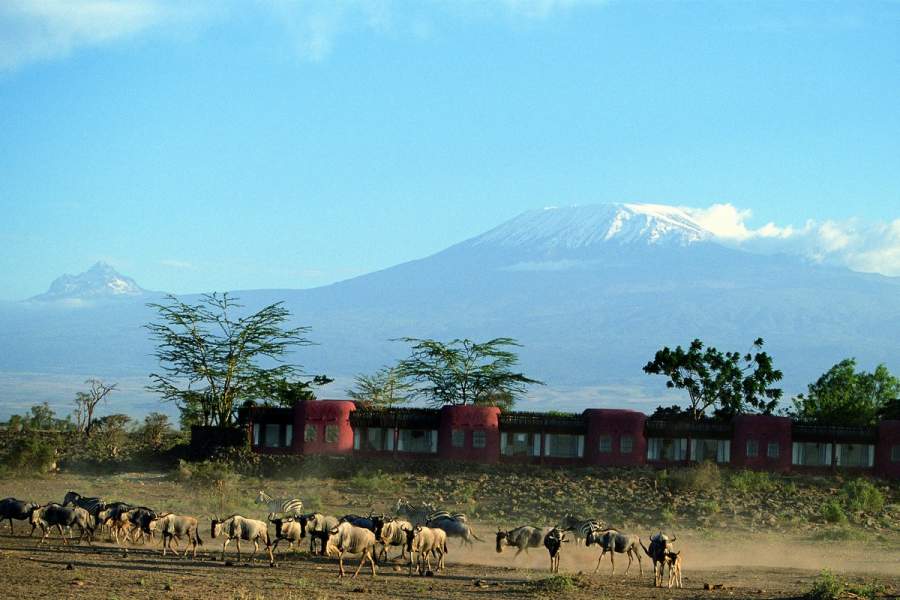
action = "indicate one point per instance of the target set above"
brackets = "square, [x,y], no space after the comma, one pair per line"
[111,518]
[660,544]
[238,528]
[347,538]
[553,542]
[10,508]
[318,527]
[286,528]
[173,527]
[56,515]
[93,505]
[454,527]
[290,507]
[137,521]
[393,533]
[613,541]
[427,541]
[522,538]
[673,559]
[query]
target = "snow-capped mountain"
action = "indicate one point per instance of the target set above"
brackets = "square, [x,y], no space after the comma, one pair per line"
[579,227]
[590,292]
[99,282]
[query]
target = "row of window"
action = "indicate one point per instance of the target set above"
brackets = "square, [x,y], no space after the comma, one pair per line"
[380,439]
[278,435]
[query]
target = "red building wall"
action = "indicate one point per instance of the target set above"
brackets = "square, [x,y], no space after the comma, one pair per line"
[764,429]
[888,437]
[469,419]
[616,424]
[320,414]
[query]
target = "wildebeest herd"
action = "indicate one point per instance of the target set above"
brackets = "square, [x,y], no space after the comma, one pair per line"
[419,531]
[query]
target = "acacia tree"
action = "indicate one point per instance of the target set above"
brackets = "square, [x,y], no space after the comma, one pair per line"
[845,396]
[212,357]
[729,381]
[86,402]
[383,389]
[464,372]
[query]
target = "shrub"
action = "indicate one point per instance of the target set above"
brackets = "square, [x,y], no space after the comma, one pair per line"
[704,477]
[827,587]
[708,507]
[555,584]
[860,495]
[30,453]
[373,482]
[832,512]
[751,481]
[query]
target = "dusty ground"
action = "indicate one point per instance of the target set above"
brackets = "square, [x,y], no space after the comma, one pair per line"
[765,564]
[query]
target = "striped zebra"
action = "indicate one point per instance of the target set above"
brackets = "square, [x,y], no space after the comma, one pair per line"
[443,514]
[579,527]
[92,505]
[289,507]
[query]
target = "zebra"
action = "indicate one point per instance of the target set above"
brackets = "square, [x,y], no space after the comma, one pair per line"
[579,527]
[289,507]
[443,514]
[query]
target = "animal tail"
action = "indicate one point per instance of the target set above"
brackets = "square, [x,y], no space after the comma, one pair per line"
[472,533]
[646,550]
[197,537]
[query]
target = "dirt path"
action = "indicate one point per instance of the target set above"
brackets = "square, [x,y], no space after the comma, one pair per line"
[103,571]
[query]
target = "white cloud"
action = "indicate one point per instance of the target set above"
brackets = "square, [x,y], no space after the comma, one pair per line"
[867,247]
[727,222]
[33,31]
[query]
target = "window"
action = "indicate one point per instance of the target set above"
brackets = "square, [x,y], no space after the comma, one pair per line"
[773,450]
[752,448]
[811,454]
[626,444]
[605,444]
[458,438]
[310,433]
[288,436]
[669,449]
[256,434]
[895,453]
[417,440]
[563,445]
[520,444]
[713,450]
[854,455]
[273,435]
[479,438]
[332,433]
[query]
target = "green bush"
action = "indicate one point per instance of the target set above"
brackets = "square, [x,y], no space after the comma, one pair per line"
[827,587]
[704,477]
[860,495]
[751,481]
[833,512]
[30,453]
[373,482]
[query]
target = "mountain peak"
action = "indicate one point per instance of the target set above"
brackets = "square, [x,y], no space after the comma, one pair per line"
[579,227]
[99,282]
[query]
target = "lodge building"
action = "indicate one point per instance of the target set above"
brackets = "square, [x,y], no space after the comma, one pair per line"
[601,437]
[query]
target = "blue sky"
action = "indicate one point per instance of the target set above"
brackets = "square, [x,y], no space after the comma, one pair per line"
[236,145]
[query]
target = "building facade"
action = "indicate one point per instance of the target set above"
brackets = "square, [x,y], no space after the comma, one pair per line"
[600,437]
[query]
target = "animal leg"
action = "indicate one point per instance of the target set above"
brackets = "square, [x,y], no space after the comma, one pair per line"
[599,560]
[341,564]
[628,554]
[11,532]
[223,548]
[640,562]
[518,552]
[612,559]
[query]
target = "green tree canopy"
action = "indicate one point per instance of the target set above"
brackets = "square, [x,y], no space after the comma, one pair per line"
[729,382]
[383,389]
[464,372]
[289,393]
[213,358]
[845,396]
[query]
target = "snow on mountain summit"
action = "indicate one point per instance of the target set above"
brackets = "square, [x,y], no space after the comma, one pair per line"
[101,281]
[578,227]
